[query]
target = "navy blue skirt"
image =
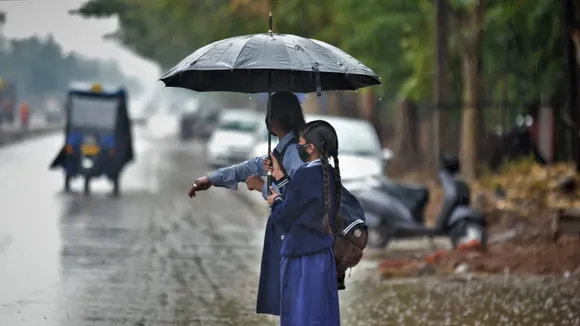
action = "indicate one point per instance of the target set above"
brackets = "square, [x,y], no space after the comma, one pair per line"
[269,287]
[309,291]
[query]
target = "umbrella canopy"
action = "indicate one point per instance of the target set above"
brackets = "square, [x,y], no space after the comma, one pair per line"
[270,62]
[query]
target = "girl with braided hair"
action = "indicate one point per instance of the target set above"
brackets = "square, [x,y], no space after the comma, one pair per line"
[309,216]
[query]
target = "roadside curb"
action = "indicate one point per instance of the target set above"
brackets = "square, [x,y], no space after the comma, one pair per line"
[11,137]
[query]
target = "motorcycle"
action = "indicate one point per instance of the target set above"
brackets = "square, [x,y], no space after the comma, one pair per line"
[515,144]
[396,211]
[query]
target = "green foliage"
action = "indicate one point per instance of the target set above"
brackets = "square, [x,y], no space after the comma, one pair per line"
[523,51]
[40,67]
[394,37]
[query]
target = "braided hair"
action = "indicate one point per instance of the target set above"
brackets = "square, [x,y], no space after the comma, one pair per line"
[322,135]
[326,188]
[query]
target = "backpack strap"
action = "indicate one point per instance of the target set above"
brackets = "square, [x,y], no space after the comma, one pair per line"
[280,157]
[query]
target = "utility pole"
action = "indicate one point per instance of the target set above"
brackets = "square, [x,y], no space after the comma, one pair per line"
[572,68]
[440,84]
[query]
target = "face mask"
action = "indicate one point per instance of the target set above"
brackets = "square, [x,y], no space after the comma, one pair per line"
[304,155]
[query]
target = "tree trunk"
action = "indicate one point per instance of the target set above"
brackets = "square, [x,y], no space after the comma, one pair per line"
[473,22]
[366,105]
[333,103]
[441,83]
[311,104]
[406,137]
[368,111]
[573,63]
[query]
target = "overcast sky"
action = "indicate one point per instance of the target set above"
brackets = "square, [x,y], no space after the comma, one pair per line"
[43,17]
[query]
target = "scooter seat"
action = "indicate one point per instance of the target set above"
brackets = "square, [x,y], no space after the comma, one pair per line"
[415,197]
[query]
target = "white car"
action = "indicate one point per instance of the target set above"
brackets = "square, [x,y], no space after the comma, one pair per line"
[234,137]
[261,145]
[360,154]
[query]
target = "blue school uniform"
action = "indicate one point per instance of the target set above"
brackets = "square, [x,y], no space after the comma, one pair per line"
[268,301]
[308,269]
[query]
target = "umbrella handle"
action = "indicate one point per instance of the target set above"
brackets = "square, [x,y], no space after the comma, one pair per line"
[269,182]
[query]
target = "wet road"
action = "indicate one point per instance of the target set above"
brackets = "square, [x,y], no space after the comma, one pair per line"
[154,257]
[150,257]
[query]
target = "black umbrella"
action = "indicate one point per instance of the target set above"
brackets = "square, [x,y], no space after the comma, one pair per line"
[270,62]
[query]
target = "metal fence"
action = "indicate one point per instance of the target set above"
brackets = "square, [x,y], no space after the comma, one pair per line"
[420,133]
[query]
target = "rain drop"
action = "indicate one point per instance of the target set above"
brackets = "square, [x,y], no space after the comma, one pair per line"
[380,99]
[250,96]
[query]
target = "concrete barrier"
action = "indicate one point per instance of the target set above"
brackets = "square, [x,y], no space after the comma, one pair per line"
[12,136]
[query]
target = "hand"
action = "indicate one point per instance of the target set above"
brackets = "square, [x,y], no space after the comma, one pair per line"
[276,171]
[255,182]
[271,198]
[200,184]
[267,165]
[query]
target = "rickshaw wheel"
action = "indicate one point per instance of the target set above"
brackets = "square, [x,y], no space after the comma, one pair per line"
[67,183]
[87,185]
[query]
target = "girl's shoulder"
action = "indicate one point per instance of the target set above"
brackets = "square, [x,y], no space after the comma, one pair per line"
[308,168]
[312,171]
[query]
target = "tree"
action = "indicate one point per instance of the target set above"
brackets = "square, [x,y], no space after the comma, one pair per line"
[521,49]
[40,68]
[470,16]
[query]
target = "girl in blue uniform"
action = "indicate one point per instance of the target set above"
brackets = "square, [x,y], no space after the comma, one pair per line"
[308,215]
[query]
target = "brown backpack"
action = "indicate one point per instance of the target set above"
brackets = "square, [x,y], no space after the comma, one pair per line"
[349,246]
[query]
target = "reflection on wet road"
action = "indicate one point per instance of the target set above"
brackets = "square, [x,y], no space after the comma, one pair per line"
[154,257]
[150,257]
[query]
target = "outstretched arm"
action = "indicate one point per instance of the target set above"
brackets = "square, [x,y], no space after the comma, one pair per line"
[230,176]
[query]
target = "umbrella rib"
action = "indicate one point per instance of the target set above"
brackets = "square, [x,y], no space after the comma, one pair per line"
[206,52]
[335,57]
[241,50]
[286,49]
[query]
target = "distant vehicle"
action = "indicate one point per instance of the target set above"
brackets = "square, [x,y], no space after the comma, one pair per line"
[98,140]
[202,123]
[7,101]
[516,143]
[53,113]
[234,137]
[261,145]
[139,120]
[186,124]
[360,153]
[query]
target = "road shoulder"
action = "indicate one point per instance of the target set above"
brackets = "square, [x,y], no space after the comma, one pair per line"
[8,137]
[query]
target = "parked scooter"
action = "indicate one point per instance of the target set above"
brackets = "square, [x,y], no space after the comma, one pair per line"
[396,211]
[516,143]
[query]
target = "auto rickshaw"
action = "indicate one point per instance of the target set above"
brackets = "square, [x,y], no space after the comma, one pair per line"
[98,139]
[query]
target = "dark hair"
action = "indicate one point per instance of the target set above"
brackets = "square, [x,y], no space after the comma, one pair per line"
[322,135]
[287,112]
